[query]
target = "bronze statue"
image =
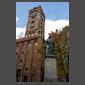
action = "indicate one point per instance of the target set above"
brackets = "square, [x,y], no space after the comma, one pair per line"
[50,46]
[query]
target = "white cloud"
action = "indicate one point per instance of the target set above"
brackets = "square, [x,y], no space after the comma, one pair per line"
[20,32]
[17,19]
[50,25]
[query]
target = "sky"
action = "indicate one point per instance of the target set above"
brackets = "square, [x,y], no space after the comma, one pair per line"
[56,13]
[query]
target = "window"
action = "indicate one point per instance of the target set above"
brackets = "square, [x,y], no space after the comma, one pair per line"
[25,78]
[26,69]
[20,60]
[18,74]
[22,52]
[39,31]
[32,22]
[16,53]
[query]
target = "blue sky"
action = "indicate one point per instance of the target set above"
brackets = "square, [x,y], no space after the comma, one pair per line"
[53,11]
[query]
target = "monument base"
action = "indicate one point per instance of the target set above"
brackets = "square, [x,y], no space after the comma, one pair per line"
[50,73]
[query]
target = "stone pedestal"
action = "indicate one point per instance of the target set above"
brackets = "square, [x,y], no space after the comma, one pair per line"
[50,73]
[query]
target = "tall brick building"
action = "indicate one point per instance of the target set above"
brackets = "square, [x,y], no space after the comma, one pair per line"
[29,60]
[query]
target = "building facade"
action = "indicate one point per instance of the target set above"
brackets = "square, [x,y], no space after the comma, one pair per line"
[29,60]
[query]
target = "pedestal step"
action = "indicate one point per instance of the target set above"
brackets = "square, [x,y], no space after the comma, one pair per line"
[50,80]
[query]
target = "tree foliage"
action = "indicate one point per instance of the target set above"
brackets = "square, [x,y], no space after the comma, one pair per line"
[61,40]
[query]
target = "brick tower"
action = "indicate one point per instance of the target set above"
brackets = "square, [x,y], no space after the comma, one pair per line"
[36,23]
[29,61]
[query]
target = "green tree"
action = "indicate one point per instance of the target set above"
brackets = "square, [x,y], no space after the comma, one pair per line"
[61,40]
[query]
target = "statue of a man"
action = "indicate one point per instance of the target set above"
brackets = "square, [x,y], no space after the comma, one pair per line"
[50,46]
